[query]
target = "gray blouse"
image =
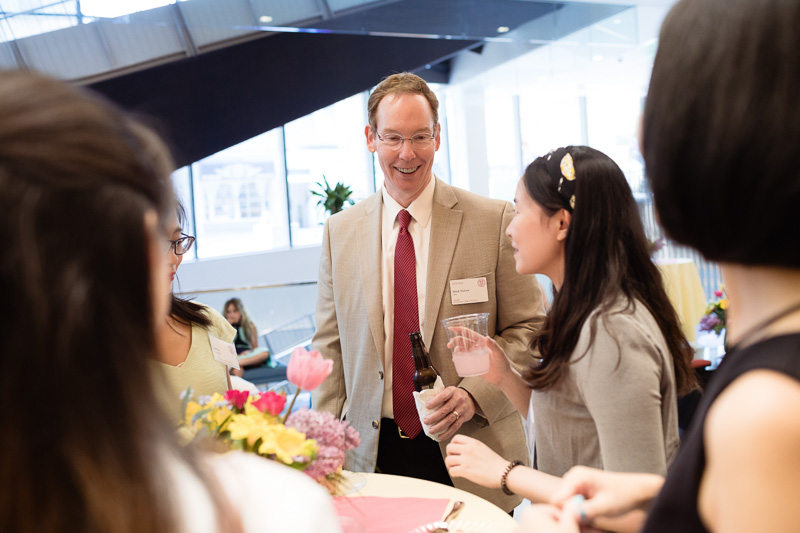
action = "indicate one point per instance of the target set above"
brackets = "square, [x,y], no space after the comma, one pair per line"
[616,407]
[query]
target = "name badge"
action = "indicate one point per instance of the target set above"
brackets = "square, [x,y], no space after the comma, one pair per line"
[224,352]
[468,291]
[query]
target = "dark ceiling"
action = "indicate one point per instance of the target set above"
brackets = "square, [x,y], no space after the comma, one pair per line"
[209,102]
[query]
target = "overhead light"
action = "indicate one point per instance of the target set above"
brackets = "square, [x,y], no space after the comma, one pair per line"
[265,18]
[502,29]
[597,58]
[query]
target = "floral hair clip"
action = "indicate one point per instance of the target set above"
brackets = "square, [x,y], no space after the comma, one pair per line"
[561,168]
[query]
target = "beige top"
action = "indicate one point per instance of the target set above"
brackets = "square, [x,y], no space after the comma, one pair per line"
[200,371]
[616,408]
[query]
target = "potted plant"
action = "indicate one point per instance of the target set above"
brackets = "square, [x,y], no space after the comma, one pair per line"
[333,199]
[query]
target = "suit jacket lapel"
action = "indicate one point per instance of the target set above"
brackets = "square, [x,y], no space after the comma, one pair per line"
[371,269]
[446,224]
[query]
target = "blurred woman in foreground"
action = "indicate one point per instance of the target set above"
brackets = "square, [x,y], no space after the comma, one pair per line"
[720,136]
[84,193]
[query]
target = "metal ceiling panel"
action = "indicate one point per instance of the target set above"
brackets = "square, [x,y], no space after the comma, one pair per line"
[212,21]
[141,36]
[282,12]
[7,59]
[341,5]
[69,53]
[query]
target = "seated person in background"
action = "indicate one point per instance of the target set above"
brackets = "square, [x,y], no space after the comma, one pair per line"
[246,340]
[720,138]
[612,350]
[84,200]
[185,357]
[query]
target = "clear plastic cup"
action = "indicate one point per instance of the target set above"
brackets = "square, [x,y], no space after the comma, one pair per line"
[465,334]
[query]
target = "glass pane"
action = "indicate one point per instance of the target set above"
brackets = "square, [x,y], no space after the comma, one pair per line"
[182,182]
[613,121]
[441,162]
[240,198]
[327,144]
[550,117]
[502,147]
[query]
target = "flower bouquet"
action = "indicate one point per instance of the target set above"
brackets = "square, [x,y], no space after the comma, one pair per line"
[310,441]
[716,313]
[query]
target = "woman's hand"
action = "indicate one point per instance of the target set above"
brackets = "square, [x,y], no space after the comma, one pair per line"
[548,519]
[469,340]
[608,494]
[473,460]
[499,366]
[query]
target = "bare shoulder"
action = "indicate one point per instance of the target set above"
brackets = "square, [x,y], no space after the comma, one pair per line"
[758,412]
[752,434]
[760,405]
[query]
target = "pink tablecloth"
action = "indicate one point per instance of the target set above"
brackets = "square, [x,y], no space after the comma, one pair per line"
[390,515]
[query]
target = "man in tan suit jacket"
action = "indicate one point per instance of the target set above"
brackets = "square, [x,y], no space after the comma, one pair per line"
[466,240]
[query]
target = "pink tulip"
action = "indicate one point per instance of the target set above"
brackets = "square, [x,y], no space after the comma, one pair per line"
[308,370]
[270,402]
[718,294]
[237,397]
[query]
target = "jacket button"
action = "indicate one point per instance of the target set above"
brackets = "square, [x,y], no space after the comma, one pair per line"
[380,373]
[375,424]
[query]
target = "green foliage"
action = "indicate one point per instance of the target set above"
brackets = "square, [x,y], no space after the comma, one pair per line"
[333,199]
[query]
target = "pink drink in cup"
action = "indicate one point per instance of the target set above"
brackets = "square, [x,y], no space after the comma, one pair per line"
[465,333]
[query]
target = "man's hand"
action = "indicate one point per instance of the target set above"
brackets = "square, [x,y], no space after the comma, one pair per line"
[450,409]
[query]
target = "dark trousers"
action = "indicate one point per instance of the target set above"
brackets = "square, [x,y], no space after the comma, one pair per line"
[419,457]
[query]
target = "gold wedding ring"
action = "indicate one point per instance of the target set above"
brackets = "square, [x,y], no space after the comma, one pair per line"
[457,415]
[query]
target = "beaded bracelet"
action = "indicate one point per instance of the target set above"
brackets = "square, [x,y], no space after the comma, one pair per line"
[504,477]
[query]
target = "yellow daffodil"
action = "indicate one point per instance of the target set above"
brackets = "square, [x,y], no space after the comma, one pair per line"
[251,428]
[723,304]
[286,443]
[191,409]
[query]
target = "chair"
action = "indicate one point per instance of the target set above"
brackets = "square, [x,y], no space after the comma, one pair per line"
[280,341]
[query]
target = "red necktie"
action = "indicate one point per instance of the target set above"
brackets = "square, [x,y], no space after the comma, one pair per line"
[406,320]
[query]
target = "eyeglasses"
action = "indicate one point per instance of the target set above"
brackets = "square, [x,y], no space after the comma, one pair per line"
[182,245]
[395,142]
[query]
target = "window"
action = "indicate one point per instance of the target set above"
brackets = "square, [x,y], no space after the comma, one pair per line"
[240,198]
[328,144]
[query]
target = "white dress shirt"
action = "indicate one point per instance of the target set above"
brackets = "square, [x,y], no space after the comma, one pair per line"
[420,230]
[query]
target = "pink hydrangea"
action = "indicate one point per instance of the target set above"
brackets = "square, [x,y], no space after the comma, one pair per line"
[333,437]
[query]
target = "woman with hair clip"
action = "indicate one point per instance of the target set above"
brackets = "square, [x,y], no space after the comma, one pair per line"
[84,193]
[720,134]
[613,357]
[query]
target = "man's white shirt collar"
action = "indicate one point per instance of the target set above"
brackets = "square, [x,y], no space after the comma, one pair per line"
[420,209]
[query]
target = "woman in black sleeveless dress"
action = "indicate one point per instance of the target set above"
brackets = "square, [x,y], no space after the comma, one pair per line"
[720,139]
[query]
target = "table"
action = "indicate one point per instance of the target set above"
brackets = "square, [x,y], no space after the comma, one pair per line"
[476,509]
[682,283]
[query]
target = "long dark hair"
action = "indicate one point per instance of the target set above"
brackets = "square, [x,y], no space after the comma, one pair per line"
[606,255]
[84,448]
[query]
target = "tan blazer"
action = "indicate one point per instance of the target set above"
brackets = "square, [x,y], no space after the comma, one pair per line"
[467,241]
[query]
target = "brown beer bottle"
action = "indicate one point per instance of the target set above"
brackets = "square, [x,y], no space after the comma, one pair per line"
[424,373]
